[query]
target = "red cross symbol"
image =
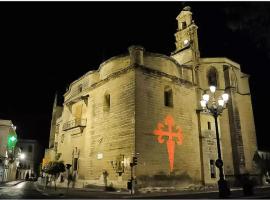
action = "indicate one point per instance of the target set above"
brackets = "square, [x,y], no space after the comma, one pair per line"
[169,124]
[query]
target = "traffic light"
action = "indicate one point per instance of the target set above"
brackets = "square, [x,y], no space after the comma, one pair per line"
[68,166]
[135,160]
[12,140]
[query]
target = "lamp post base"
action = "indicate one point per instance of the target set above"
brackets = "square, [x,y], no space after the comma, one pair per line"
[224,189]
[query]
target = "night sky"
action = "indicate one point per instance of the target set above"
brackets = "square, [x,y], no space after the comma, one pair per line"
[47,45]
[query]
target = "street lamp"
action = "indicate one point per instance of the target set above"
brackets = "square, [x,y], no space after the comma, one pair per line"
[22,156]
[215,106]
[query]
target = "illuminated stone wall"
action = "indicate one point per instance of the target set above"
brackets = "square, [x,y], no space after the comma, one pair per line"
[153,161]
[109,131]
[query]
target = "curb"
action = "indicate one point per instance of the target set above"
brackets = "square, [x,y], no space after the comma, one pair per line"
[18,183]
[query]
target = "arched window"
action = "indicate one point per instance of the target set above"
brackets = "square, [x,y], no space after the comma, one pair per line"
[184,25]
[168,97]
[212,77]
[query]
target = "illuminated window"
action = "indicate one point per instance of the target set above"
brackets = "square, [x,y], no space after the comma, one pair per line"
[212,169]
[168,97]
[107,102]
[212,77]
[209,125]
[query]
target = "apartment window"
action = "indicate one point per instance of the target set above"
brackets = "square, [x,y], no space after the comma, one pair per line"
[107,102]
[30,148]
[212,169]
[168,97]
[209,125]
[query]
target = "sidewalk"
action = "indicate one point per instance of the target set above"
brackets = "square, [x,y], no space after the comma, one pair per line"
[236,193]
[11,183]
[97,192]
[259,192]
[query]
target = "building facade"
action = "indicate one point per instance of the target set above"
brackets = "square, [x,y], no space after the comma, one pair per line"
[130,105]
[8,151]
[29,164]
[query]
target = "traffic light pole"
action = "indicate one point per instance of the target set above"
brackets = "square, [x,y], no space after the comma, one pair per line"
[131,178]
[132,181]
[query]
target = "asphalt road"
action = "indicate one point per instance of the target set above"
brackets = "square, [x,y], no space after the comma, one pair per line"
[23,190]
[29,190]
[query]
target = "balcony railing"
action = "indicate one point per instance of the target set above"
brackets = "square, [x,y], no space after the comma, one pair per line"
[74,123]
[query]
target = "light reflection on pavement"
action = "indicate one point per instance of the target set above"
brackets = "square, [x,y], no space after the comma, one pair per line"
[24,190]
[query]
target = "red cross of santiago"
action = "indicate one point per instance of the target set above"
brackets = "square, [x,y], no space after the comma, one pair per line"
[170,135]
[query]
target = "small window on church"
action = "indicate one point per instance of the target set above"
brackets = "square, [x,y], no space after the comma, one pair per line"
[209,125]
[212,169]
[212,77]
[107,102]
[184,25]
[75,167]
[168,97]
[80,88]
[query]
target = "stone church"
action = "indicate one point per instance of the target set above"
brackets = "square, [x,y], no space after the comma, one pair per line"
[113,114]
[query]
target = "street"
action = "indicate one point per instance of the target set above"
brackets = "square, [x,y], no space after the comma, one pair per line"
[31,190]
[23,190]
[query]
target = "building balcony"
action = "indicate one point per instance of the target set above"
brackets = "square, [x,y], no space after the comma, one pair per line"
[74,124]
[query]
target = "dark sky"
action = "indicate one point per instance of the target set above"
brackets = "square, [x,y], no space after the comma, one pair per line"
[47,45]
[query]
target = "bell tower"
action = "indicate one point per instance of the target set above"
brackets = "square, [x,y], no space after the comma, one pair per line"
[187,48]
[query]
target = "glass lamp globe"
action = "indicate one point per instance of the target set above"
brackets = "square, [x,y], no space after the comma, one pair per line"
[203,103]
[225,97]
[206,97]
[221,102]
[212,88]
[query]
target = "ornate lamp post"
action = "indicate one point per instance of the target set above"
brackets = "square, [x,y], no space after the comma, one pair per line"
[214,106]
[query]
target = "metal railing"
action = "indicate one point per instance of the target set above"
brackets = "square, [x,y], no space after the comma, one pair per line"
[74,123]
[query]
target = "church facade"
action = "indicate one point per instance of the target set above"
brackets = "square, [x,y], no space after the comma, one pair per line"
[121,110]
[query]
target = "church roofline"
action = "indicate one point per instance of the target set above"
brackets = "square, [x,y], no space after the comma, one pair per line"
[244,75]
[117,57]
[94,71]
[79,79]
[111,59]
[166,57]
